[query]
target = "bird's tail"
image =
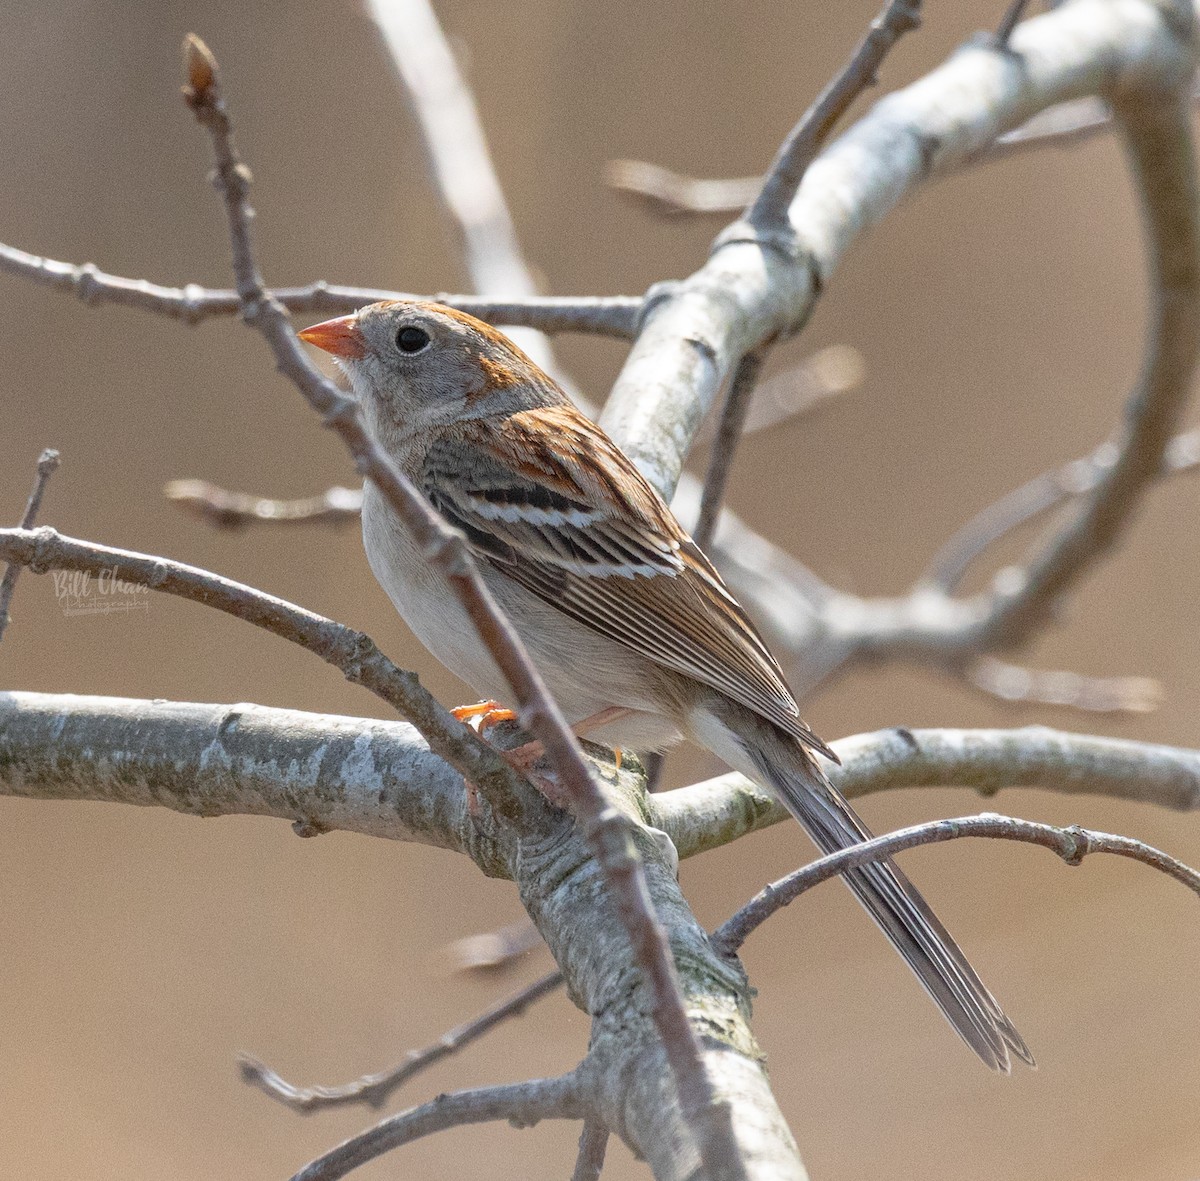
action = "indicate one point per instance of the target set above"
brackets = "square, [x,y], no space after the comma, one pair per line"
[777,760]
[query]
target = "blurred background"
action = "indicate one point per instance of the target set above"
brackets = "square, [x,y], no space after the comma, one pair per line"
[1000,316]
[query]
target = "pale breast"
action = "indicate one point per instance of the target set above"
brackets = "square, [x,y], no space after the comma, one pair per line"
[586,672]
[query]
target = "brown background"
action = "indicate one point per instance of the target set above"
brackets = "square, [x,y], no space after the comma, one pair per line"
[1000,315]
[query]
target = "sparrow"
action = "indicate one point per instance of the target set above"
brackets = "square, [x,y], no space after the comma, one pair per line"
[631,626]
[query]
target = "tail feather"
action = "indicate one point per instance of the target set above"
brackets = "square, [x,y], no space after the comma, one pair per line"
[886,893]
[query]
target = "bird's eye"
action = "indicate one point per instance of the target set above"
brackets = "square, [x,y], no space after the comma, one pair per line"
[411,340]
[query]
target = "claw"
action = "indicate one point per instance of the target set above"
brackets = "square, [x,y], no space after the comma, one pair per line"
[483,715]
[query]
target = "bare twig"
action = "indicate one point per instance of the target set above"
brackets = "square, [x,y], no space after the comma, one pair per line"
[491,950]
[234,510]
[605,828]
[1072,844]
[376,1089]
[521,1104]
[458,155]
[354,653]
[672,194]
[1009,21]
[769,210]
[710,814]
[1016,684]
[47,465]
[593,1141]
[729,432]
[1037,497]
[614,315]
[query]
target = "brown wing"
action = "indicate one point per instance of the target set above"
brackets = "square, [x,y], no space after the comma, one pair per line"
[547,497]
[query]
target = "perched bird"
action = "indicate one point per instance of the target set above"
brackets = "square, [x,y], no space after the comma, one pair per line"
[627,620]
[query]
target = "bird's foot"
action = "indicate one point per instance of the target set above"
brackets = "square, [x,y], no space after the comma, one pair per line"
[483,715]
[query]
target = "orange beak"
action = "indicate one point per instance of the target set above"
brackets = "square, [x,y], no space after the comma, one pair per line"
[341,337]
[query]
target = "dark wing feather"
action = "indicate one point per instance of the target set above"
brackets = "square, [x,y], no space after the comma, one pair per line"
[545,496]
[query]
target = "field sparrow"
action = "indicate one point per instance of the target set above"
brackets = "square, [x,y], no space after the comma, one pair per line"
[627,620]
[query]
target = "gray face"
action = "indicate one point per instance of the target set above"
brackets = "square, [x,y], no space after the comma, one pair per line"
[426,366]
[422,368]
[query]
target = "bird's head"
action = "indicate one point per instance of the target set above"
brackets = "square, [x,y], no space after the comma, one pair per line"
[415,366]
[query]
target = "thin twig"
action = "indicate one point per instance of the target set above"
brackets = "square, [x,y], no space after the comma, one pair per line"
[1036,497]
[1015,684]
[375,1089]
[593,1143]
[223,509]
[1167,180]
[354,653]
[521,1104]
[674,194]
[1072,844]
[47,465]
[671,194]
[711,814]
[490,950]
[614,315]
[769,210]
[605,829]
[1009,21]
[729,433]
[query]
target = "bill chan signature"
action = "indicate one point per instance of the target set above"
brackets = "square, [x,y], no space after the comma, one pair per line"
[79,592]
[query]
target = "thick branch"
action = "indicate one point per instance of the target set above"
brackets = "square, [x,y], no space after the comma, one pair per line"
[319,771]
[749,292]
[352,652]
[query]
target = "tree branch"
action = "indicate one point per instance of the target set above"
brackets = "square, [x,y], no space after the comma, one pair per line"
[751,291]
[718,811]
[223,509]
[611,315]
[376,1089]
[768,213]
[1036,497]
[593,1141]
[1015,684]
[352,652]
[674,194]
[1072,844]
[47,465]
[522,1104]
[378,778]
[729,432]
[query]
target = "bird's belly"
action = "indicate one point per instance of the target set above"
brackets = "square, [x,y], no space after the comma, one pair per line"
[585,671]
